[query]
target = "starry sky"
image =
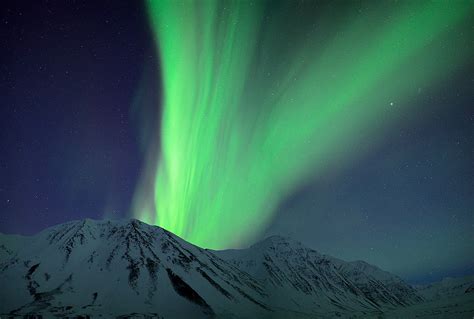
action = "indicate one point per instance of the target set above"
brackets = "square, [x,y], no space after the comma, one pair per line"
[86,132]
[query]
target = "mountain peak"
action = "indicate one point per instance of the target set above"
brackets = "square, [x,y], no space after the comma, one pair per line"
[279,239]
[148,269]
[280,243]
[76,266]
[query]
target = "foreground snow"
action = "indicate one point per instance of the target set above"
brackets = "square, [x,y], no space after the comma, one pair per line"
[455,307]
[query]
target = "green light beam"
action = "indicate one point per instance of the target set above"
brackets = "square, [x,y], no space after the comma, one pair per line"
[244,124]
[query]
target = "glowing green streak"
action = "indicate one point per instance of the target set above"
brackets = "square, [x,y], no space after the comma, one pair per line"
[236,138]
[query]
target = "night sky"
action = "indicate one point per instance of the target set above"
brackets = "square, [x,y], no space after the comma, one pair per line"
[69,80]
[82,131]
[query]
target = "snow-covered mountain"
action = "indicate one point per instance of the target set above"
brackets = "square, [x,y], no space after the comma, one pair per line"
[383,288]
[448,287]
[120,268]
[129,268]
[449,298]
[299,278]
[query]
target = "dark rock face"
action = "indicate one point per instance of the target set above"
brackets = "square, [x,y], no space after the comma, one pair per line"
[183,289]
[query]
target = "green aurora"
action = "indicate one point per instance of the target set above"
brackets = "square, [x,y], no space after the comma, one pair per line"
[254,105]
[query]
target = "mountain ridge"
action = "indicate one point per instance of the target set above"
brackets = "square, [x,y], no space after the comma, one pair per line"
[129,268]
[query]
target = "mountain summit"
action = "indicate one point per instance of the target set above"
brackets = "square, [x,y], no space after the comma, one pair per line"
[301,279]
[131,269]
[119,268]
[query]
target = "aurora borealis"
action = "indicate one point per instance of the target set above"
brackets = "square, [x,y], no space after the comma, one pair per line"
[346,125]
[248,116]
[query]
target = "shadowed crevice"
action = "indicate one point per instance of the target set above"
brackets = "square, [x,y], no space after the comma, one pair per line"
[184,290]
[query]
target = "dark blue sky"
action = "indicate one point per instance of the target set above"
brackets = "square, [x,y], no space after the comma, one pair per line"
[67,138]
[407,206]
[71,147]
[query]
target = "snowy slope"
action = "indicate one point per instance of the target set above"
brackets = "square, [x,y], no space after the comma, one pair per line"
[119,268]
[300,278]
[381,287]
[129,268]
[448,287]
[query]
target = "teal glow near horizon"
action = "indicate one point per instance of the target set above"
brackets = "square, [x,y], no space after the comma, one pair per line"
[247,118]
